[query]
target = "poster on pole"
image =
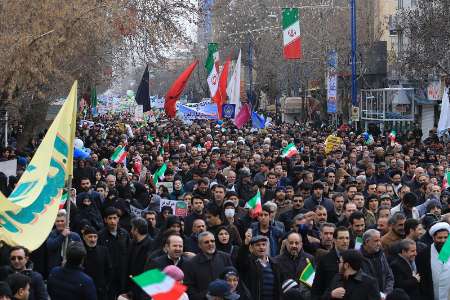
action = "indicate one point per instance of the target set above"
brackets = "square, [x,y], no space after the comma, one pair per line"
[332,82]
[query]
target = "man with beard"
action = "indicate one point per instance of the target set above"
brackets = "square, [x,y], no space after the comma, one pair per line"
[352,283]
[205,267]
[297,208]
[434,274]
[396,232]
[97,263]
[375,263]
[293,260]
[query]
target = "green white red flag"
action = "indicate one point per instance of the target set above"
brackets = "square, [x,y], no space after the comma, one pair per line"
[289,151]
[255,205]
[308,274]
[159,286]
[446,180]
[292,42]
[211,67]
[119,155]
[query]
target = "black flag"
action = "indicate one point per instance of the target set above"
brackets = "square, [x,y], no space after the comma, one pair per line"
[143,93]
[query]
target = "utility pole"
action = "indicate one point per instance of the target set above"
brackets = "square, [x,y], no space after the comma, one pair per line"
[250,69]
[354,40]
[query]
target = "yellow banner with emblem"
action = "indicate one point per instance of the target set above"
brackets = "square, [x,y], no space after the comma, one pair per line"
[28,214]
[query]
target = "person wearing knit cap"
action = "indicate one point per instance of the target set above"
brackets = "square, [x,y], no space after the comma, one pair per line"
[5,291]
[178,275]
[434,273]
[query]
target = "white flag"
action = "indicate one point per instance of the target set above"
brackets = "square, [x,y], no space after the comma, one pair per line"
[444,120]
[234,86]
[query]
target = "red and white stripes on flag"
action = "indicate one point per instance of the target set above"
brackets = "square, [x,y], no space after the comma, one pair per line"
[292,41]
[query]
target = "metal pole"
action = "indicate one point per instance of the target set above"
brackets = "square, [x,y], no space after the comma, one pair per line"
[6,129]
[250,69]
[68,202]
[354,38]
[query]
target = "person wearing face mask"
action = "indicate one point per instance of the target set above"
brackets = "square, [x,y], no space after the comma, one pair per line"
[434,274]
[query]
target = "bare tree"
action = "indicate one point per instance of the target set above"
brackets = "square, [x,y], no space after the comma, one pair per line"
[426,28]
[47,44]
[325,26]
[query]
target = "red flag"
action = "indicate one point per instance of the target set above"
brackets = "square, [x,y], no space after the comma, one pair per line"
[221,95]
[243,116]
[174,92]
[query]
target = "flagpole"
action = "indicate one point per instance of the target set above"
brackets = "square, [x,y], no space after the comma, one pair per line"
[68,202]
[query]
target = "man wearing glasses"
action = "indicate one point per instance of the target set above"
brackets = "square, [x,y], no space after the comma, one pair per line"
[205,267]
[19,263]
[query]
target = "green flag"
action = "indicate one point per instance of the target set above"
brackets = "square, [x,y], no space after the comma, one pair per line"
[94,97]
[159,174]
[444,255]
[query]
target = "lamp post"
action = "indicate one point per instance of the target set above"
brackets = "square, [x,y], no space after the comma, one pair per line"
[354,39]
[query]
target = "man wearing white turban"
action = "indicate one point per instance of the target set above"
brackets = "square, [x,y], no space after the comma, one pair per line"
[434,273]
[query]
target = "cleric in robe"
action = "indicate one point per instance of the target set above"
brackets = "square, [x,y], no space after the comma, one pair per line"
[434,274]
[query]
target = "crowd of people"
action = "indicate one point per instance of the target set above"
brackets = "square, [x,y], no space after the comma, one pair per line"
[366,220]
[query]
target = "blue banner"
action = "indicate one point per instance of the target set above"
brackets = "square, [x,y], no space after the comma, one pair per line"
[228,111]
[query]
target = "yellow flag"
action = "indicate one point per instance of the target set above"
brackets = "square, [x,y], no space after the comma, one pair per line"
[28,214]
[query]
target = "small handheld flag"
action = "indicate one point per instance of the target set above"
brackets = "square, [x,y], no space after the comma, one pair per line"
[289,151]
[159,286]
[254,204]
[308,274]
[159,174]
[119,155]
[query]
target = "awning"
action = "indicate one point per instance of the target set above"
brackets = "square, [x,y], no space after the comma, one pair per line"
[424,101]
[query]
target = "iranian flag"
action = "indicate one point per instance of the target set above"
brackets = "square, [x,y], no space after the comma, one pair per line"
[289,151]
[308,273]
[392,136]
[254,204]
[446,180]
[159,174]
[64,198]
[119,155]
[292,41]
[211,68]
[159,286]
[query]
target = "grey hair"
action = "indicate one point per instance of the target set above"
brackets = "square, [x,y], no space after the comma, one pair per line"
[369,234]
[405,244]
[271,204]
[298,218]
[326,224]
[204,234]
[395,218]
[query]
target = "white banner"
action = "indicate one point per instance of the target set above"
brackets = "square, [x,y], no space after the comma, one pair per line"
[9,167]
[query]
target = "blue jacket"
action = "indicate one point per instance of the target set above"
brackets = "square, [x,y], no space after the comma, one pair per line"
[275,235]
[54,243]
[70,283]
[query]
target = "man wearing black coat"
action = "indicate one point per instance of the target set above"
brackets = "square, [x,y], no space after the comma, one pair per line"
[404,269]
[97,263]
[258,271]
[205,267]
[138,253]
[293,259]
[174,255]
[19,263]
[328,265]
[117,241]
[351,282]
